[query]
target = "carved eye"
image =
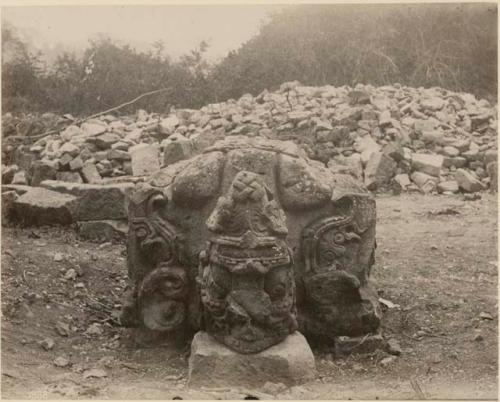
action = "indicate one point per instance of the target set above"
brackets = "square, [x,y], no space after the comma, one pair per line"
[339,238]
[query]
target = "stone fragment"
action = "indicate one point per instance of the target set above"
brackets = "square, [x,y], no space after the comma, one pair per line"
[70,177]
[490,156]
[94,373]
[345,345]
[447,186]
[95,202]
[425,182]
[425,163]
[76,164]
[379,170]
[47,344]
[467,182]
[61,362]
[433,136]
[70,149]
[70,132]
[394,150]
[177,151]
[93,128]
[145,159]
[168,125]
[8,173]
[104,141]
[290,362]
[116,154]
[384,119]
[106,230]
[403,180]
[39,206]
[387,361]
[8,198]
[492,170]
[450,151]
[432,103]
[41,171]
[90,174]
[393,347]
[457,162]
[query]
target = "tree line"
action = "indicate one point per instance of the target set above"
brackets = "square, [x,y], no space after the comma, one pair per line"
[448,45]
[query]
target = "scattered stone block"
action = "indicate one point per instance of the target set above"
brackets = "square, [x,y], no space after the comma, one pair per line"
[116,154]
[430,164]
[104,141]
[105,230]
[492,170]
[177,151]
[425,182]
[448,186]
[467,182]
[8,173]
[39,206]
[290,362]
[90,174]
[379,170]
[20,178]
[41,171]
[8,198]
[76,164]
[345,345]
[145,159]
[95,202]
[70,177]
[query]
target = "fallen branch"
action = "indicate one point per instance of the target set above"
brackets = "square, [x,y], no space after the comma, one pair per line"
[80,121]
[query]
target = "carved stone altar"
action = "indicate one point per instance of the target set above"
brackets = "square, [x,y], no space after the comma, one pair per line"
[249,242]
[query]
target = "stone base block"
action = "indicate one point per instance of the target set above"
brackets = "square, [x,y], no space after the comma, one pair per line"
[212,364]
[345,345]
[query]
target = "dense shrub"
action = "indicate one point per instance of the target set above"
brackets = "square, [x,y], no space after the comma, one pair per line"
[448,45]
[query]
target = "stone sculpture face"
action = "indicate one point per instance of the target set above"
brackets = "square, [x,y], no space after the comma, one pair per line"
[250,241]
[246,278]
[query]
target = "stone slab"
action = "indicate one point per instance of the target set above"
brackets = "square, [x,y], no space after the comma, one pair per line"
[212,364]
[106,230]
[345,345]
[95,201]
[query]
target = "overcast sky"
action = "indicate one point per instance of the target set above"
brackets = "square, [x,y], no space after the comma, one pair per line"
[181,27]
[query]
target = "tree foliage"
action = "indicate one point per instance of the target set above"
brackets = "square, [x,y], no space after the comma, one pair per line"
[448,45]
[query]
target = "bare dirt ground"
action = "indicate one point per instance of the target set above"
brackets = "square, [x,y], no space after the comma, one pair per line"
[436,259]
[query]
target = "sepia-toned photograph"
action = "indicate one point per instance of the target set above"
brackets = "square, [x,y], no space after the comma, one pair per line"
[249,201]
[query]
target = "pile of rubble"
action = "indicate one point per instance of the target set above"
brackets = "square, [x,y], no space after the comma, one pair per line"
[392,137]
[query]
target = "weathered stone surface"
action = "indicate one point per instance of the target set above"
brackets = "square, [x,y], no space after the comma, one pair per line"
[39,206]
[467,182]
[145,159]
[237,235]
[451,152]
[8,173]
[105,230]
[8,198]
[403,180]
[425,182]
[177,151]
[95,202]
[70,177]
[104,141]
[457,161]
[492,169]
[433,136]
[302,186]
[430,164]
[490,156]
[290,362]
[19,178]
[199,180]
[447,186]
[76,164]
[41,171]
[90,174]
[379,170]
